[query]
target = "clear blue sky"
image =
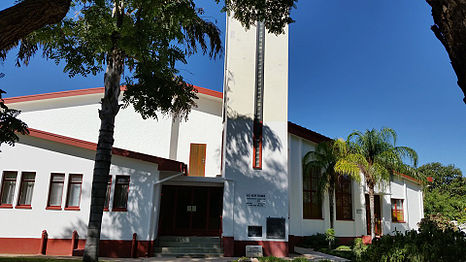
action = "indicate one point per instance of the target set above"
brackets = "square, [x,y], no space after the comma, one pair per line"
[353,65]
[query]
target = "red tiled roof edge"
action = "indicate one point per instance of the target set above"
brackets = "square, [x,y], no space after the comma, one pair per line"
[412,179]
[305,133]
[163,163]
[89,91]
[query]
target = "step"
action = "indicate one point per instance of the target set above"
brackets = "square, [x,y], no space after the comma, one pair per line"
[190,255]
[215,244]
[189,239]
[186,250]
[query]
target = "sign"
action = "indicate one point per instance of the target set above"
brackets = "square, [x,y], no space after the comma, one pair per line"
[255,200]
[253,251]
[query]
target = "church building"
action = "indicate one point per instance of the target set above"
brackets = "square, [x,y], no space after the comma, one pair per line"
[227,177]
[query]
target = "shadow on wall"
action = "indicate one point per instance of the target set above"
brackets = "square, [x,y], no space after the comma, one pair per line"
[118,227]
[271,180]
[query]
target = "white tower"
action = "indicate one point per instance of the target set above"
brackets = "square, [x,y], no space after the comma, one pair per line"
[255,143]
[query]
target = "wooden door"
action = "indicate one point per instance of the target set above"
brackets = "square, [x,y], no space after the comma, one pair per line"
[197,157]
[191,211]
[377,215]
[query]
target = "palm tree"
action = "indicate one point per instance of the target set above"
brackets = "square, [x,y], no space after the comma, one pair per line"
[374,154]
[324,158]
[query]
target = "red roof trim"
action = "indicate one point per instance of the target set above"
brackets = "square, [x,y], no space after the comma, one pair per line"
[89,91]
[306,133]
[163,163]
[209,92]
[412,179]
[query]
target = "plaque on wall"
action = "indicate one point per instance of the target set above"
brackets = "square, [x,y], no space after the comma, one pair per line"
[255,200]
[254,231]
[276,228]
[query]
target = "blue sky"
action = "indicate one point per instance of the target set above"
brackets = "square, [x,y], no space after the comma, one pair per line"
[354,65]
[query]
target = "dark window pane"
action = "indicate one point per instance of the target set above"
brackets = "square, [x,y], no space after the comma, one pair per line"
[56,189]
[120,198]
[8,187]
[26,188]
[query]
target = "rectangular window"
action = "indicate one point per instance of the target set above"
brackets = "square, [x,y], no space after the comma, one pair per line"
[26,188]
[257,145]
[74,191]
[120,198]
[56,190]
[343,198]
[397,210]
[107,196]
[312,202]
[8,188]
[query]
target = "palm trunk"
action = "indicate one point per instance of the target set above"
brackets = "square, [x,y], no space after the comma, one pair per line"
[372,209]
[103,155]
[331,193]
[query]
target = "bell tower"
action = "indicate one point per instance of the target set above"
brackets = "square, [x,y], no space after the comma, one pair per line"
[255,142]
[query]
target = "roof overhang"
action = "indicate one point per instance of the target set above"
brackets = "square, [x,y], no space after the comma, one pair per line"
[162,163]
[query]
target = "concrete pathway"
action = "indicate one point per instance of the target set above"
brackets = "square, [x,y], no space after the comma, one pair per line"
[312,255]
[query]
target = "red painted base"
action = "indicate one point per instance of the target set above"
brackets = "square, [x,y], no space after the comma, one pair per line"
[62,247]
[235,248]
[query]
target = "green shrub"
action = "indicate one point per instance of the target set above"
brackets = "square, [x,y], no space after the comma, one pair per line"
[358,248]
[315,241]
[435,241]
[330,237]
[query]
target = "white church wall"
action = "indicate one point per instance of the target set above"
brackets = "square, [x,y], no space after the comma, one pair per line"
[44,158]
[204,126]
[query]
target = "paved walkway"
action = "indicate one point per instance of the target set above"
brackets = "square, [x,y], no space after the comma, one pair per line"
[308,253]
[312,255]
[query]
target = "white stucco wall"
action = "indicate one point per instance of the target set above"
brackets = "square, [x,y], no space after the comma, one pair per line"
[272,179]
[398,188]
[44,158]
[204,126]
[77,117]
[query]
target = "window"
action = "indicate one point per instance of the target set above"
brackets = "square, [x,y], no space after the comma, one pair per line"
[8,188]
[343,198]
[120,198]
[397,210]
[107,196]
[257,145]
[74,191]
[56,191]
[312,203]
[26,189]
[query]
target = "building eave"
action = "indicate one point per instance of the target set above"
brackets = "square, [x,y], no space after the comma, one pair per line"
[162,163]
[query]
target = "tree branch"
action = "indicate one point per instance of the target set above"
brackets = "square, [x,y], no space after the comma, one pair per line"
[22,19]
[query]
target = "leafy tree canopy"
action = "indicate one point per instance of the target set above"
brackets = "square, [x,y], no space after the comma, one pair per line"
[446,194]
[10,125]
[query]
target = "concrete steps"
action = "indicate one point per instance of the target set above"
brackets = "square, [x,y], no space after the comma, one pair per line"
[176,246]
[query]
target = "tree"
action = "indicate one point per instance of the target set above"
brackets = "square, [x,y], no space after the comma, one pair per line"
[9,123]
[27,16]
[450,29]
[446,194]
[148,38]
[374,154]
[324,159]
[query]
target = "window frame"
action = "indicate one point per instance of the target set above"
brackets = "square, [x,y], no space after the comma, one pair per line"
[121,209]
[395,219]
[70,182]
[108,193]
[2,205]
[340,195]
[49,207]
[315,192]
[22,180]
